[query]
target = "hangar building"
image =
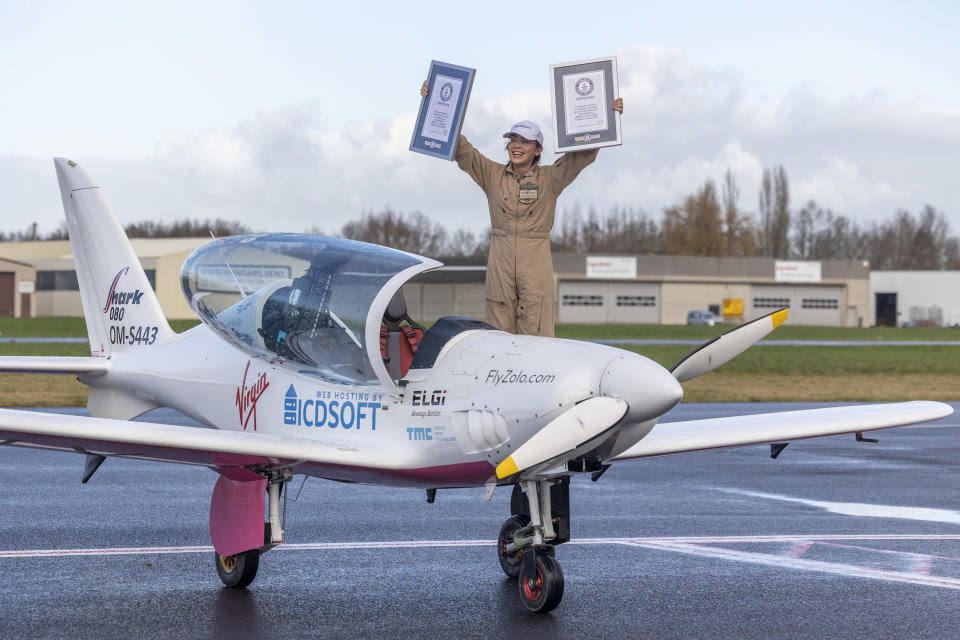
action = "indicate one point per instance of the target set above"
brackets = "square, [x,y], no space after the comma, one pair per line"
[915,298]
[590,289]
[17,284]
[55,278]
[663,289]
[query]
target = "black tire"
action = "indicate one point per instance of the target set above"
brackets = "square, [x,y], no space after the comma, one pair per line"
[542,591]
[239,570]
[510,563]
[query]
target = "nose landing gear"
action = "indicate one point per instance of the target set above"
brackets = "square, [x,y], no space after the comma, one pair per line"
[526,546]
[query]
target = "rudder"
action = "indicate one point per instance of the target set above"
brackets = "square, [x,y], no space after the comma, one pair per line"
[120,306]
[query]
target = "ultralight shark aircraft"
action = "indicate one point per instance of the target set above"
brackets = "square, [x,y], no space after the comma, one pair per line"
[304,364]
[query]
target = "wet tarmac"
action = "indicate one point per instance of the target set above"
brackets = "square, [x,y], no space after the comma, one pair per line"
[834,539]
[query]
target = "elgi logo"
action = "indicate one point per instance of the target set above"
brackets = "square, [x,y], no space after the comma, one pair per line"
[424,398]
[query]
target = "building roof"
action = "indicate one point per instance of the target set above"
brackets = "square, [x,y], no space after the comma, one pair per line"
[143,247]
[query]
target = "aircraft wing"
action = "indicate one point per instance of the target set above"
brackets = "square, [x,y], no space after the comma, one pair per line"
[53,364]
[761,428]
[174,443]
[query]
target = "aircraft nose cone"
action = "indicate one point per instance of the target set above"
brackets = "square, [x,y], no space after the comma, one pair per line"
[648,388]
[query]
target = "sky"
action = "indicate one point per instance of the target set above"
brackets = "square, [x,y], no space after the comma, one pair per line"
[297,115]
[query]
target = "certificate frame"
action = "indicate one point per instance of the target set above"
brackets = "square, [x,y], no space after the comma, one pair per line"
[598,129]
[439,122]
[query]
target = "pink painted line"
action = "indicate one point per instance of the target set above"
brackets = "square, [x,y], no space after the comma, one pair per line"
[122,551]
[780,538]
[922,564]
[401,544]
[318,546]
[799,549]
[890,551]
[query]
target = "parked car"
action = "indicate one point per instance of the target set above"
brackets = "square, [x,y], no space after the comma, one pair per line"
[703,317]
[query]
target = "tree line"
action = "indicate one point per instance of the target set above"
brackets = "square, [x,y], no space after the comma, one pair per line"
[707,222]
[185,228]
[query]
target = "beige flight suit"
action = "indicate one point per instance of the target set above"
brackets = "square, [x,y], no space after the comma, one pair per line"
[520,292]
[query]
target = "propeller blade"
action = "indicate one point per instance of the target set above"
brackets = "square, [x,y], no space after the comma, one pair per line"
[726,347]
[564,435]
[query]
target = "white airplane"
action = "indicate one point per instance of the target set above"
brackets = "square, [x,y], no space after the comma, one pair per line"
[306,363]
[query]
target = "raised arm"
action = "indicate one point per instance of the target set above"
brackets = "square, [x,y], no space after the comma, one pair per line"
[472,162]
[570,164]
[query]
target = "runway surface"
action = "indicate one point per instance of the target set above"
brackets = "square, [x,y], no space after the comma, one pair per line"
[835,539]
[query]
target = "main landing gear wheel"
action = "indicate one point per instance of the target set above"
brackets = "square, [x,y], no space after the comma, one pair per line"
[541,586]
[237,571]
[510,562]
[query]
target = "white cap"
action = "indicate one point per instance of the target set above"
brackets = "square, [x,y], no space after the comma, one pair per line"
[527,130]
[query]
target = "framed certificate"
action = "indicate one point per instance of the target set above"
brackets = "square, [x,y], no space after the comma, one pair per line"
[441,112]
[582,94]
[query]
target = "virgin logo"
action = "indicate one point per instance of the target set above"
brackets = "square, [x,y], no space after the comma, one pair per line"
[247,397]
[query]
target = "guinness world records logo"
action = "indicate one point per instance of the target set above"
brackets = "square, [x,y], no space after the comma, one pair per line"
[584,86]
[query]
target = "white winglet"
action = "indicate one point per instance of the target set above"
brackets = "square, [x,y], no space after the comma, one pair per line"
[726,347]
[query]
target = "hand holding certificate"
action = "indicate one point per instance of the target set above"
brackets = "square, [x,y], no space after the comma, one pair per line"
[583,116]
[442,110]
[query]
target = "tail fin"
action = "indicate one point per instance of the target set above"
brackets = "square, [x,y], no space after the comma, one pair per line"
[120,307]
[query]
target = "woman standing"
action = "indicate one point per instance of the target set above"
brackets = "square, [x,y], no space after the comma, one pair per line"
[522,200]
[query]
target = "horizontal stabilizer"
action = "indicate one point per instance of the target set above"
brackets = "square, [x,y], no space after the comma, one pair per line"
[565,435]
[53,364]
[712,433]
[726,347]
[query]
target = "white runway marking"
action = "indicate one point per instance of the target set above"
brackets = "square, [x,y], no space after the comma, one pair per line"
[919,566]
[864,510]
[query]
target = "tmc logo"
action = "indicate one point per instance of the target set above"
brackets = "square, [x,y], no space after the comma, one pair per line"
[419,433]
[121,298]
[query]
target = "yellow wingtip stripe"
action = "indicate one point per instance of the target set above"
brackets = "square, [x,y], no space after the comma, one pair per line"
[779,318]
[506,468]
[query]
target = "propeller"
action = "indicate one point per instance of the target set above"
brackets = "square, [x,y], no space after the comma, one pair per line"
[726,347]
[576,427]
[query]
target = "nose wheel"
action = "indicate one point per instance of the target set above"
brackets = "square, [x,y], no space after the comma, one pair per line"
[541,582]
[510,560]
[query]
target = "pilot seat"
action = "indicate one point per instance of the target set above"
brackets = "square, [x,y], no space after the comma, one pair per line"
[400,337]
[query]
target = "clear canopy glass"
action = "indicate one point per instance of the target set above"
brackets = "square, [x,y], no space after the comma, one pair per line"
[301,301]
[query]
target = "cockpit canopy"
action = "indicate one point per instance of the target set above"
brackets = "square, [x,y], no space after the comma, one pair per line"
[308,302]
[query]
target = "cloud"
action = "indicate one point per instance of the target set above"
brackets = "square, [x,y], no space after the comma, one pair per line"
[685,123]
[840,182]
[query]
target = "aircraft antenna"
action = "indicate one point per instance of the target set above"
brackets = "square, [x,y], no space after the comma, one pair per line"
[229,268]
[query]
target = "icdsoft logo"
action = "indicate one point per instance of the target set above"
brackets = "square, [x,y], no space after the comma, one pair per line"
[329,409]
